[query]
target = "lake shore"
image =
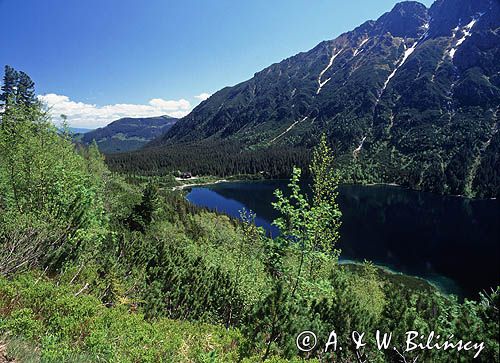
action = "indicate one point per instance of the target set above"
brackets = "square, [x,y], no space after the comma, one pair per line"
[198,184]
[413,282]
[197,181]
[257,177]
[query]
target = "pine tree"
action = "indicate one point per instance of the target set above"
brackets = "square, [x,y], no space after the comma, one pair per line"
[10,80]
[142,214]
[272,322]
[25,92]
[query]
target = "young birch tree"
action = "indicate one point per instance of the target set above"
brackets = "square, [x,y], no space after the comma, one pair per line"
[310,225]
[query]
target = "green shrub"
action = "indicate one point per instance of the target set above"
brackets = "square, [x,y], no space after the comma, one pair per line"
[66,327]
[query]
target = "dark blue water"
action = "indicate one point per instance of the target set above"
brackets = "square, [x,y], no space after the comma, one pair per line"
[451,241]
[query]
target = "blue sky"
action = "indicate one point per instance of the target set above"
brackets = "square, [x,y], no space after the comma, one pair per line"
[98,59]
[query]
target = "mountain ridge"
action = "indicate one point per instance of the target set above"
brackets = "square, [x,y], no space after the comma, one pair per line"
[127,133]
[411,97]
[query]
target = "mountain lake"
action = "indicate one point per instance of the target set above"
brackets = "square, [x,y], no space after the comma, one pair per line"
[452,242]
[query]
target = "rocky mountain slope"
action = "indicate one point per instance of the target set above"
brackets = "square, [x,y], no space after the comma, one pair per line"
[411,98]
[127,134]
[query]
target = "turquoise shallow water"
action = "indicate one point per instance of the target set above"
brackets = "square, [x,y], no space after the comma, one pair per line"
[452,242]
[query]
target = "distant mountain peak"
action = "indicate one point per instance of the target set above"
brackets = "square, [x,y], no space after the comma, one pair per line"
[406,19]
[128,133]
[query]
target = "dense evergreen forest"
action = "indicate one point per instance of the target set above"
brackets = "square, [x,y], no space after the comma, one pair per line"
[95,268]
[230,158]
[220,159]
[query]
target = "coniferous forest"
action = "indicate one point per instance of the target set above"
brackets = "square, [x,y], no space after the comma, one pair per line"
[221,159]
[100,266]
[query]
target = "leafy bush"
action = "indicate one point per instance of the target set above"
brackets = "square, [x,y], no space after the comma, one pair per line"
[51,206]
[66,327]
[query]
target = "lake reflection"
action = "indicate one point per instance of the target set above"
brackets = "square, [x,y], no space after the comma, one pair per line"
[451,241]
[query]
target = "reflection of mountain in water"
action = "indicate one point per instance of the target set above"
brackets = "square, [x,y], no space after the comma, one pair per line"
[423,234]
[413,232]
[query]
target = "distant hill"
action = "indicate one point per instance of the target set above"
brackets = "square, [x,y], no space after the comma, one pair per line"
[411,98]
[127,134]
[79,130]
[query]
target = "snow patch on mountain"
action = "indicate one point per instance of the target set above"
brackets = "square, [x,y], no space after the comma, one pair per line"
[359,48]
[288,129]
[466,31]
[406,55]
[330,63]
[360,146]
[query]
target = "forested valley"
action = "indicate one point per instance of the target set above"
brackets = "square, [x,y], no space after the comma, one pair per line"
[219,158]
[97,266]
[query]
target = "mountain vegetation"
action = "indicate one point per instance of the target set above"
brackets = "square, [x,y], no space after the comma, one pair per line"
[99,267]
[411,98]
[127,134]
[211,158]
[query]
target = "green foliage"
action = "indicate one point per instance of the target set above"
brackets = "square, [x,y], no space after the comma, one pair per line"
[311,227]
[356,303]
[142,214]
[78,328]
[223,159]
[184,287]
[25,90]
[127,255]
[471,320]
[324,188]
[10,80]
[22,322]
[268,326]
[49,194]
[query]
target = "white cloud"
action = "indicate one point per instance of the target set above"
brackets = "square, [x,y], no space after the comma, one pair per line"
[170,105]
[202,96]
[92,116]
